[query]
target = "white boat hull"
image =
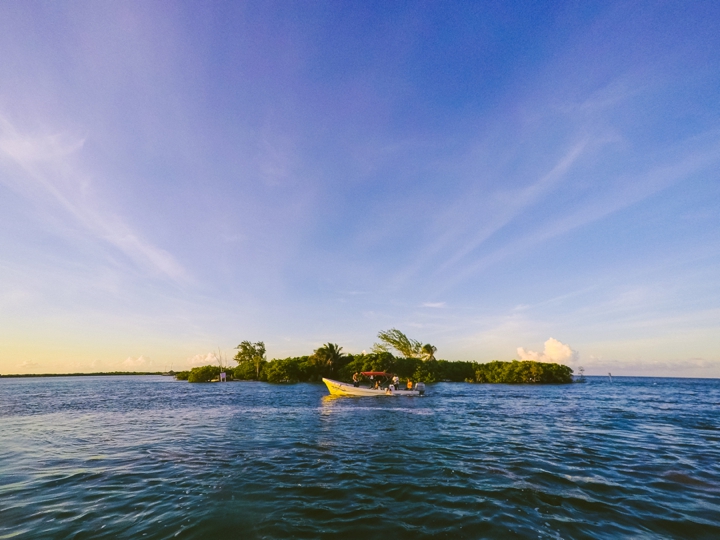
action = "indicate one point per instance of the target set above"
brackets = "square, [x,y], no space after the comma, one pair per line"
[338,388]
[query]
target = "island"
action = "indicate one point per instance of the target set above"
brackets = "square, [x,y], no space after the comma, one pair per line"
[396,353]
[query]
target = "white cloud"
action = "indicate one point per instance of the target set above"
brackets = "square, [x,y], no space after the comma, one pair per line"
[434,304]
[141,363]
[555,351]
[202,360]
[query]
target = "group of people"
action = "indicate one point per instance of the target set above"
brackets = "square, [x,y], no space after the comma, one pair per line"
[377,384]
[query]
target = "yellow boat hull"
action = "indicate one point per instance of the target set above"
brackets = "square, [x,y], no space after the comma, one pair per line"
[338,388]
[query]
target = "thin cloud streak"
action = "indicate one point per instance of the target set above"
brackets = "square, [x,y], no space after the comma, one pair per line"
[632,191]
[48,162]
[521,200]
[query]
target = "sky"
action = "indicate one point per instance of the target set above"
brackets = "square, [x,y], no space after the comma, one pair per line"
[504,180]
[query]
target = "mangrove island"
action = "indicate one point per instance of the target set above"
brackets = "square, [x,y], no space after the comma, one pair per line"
[396,353]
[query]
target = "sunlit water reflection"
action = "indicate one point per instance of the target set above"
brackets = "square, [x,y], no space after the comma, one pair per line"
[149,457]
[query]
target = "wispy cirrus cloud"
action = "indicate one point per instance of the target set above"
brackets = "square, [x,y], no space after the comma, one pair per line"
[517,201]
[624,191]
[47,170]
[598,170]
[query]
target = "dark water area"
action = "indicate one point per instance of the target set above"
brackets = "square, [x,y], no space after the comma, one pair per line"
[150,457]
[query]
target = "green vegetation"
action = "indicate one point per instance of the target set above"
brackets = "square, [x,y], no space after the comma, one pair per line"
[250,357]
[525,372]
[203,374]
[408,348]
[416,362]
[314,367]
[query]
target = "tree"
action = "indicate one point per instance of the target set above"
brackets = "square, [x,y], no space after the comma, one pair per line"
[251,353]
[409,348]
[395,339]
[426,372]
[284,371]
[203,374]
[328,356]
[428,352]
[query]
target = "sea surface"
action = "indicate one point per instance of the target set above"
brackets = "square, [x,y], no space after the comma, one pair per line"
[151,457]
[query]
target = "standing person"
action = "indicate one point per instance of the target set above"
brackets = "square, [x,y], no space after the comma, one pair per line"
[356,379]
[396,382]
[409,384]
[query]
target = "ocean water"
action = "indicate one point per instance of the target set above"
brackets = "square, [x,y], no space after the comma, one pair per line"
[150,457]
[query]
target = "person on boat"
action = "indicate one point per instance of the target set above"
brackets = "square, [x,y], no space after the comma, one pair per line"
[356,379]
[409,384]
[396,382]
[377,385]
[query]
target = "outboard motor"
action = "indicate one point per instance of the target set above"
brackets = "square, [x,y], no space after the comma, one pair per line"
[420,387]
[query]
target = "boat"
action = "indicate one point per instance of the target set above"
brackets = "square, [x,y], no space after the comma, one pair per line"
[338,388]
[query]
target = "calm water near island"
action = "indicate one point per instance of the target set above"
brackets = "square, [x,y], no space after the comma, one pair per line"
[150,457]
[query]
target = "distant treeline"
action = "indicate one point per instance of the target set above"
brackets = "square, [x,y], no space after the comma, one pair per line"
[342,366]
[104,374]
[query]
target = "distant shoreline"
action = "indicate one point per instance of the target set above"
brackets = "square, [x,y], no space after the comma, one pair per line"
[139,373]
[100,374]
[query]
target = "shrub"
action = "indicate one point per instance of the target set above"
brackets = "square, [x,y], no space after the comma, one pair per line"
[525,372]
[248,371]
[287,370]
[203,374]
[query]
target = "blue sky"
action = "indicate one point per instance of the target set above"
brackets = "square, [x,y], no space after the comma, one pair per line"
[500,179]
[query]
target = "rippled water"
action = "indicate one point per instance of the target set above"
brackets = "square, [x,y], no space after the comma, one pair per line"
[149,457]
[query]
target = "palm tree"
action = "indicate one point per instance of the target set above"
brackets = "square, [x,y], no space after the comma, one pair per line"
[328,355]
[394,338]
[407,347]
[428,352]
